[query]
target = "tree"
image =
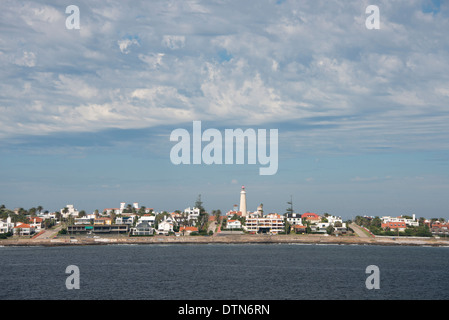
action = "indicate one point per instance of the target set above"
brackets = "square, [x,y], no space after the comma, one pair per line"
[203,218]
[217,214]
[82,213]
[290,209]
[39,208]
[287,226]
[65,210]
[113,215]
[199,204]
[142,210]
[32,211]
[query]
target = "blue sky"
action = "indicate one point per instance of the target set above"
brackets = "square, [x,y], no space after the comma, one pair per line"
[362,114]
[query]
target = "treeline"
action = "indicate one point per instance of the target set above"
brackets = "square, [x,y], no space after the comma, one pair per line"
[22,215]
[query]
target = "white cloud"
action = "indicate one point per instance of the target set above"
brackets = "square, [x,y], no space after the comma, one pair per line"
[313,66]
[173,41]
[153,60]
[125,44]
[28,59]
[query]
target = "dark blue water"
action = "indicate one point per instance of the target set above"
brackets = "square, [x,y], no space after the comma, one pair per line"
[234,272]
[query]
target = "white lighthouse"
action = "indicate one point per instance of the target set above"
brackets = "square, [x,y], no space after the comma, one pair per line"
[243,201]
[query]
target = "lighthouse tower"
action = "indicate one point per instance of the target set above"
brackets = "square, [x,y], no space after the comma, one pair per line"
[243,201]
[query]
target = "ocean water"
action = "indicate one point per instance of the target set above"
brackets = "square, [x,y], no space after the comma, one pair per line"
[224,272]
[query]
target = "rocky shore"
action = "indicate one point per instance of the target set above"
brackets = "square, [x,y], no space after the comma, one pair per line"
[229,239]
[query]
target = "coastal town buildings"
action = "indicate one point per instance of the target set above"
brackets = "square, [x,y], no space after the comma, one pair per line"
[187,230]
[310,217]
[24,229]
[68,211]
[272,223]
[165,226]
[143,229]
[294,218]
[233,224]
[6,225]
[401,219]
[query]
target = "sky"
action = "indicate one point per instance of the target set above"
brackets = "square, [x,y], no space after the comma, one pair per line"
[362,114]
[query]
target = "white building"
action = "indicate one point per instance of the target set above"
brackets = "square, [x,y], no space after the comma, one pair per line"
[193,213]
[23,229]
[294,218]
[71,211]
[143,229]
[6,225]
[83,220]
[125,220]
[271,223]
[408,222]
[165,226]
[47,215]
[233,224]
[148,219]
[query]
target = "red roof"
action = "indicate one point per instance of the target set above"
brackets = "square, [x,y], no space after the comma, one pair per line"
[188,229]
[23,225]
[310,215]
[394,225]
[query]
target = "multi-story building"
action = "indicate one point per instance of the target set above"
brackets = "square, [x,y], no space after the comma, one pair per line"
[82,221]
[192,215]
[408,222]
[165,226]
[271,223]
[394,225]
[294,218]
[440,228]
[23,229]
[71,211]
[125,220]
[233,224]
[6,225]
[311,217]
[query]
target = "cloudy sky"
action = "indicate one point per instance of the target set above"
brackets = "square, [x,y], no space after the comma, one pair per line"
[86,114]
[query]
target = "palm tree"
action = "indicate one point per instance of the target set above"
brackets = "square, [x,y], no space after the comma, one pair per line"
[39,208]
[65,210]
[32,211]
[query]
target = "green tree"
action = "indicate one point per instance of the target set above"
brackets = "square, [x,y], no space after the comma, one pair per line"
[217,214]
[287,226]
[32,211]
[199,204]
[65,210]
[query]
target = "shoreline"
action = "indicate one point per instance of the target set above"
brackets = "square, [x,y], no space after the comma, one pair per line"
[228,239]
